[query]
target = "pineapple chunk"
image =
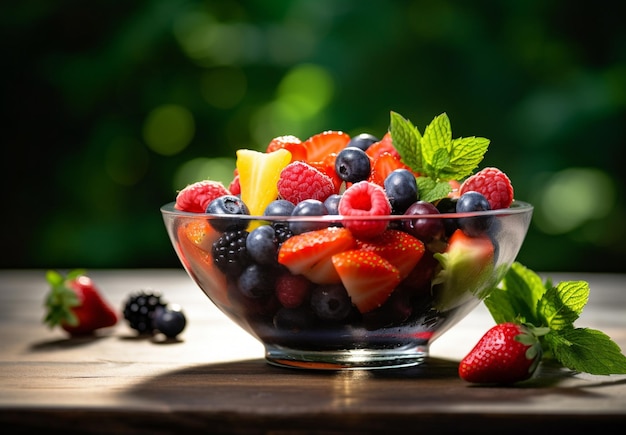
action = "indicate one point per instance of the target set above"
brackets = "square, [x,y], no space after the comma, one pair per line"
[258,177]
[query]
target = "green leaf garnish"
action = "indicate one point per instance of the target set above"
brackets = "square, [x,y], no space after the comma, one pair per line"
[436,155]
[523,297]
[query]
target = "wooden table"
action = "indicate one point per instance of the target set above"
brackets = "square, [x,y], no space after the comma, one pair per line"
[214,379]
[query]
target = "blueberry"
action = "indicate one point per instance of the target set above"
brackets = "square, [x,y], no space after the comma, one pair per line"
[262,245]
[332,204]
[331,302]
[308,207]
[363,141]
[401,189]
[257,281]
[293,319]
[230,205]
[473,202]
[279,207]
[170,321]
[352,165]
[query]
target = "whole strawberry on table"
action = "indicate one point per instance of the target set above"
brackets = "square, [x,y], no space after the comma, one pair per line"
[75,304]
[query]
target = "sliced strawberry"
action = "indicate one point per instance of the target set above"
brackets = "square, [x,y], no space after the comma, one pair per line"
[399,248]
[383,165]
[322,144]
[290,143]
[310,253]
[467,265]
[368,278]
[385,145]
[195,240]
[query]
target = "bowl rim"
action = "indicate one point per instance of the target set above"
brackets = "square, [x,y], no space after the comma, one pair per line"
[517,207]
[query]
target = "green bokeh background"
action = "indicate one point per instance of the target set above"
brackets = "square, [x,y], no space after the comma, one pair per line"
[110,107]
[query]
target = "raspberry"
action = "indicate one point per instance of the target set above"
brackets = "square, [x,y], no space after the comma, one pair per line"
[196,197]
[299,181]
[493,184]
[365,199]
[292,290]
[234,187]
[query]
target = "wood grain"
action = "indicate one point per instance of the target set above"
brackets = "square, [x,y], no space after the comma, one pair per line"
[214,379]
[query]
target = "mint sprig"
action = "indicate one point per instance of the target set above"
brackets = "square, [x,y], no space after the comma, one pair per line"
[435,155]
[523,297]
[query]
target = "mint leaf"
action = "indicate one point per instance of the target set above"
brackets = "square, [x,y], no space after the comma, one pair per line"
[517,297]
[437,146]
[435,156]
[466,154]
[431,190]
[406,140]
[586,350]
[562,305]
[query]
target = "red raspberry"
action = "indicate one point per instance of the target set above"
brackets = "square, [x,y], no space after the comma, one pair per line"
[292,290]
[195,197]
[365,199]
[234,187]
[299,181]
[493,184]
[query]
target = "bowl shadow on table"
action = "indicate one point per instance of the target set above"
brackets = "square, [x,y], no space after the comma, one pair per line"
[257,384]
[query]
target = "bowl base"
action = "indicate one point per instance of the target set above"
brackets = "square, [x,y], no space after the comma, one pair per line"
[350,359]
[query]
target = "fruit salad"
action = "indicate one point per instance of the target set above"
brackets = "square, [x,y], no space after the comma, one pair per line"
[338,242]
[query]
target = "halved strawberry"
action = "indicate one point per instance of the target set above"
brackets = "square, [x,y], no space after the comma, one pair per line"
[368,278]
[310,253]
[290,143]
[195,240]
[383,165]
[399,248]
[322,144]
[466,267]
[385,145]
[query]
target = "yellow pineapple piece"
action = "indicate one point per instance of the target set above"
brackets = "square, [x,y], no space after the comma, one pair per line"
[258,177]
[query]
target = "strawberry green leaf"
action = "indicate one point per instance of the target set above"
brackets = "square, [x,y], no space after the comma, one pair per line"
[586,350]
[60,300]
[406,140]
[562,305]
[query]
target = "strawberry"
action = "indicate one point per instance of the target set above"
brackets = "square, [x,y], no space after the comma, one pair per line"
[76,305]
[368,278]
[507,353]
[322,144]
[383,165]
[399,248]
[467,265]
[385,145]
[195,197]
[310,253]
[290,143]
[195,241]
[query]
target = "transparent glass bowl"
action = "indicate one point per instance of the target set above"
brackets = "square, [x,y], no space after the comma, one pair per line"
[429,301]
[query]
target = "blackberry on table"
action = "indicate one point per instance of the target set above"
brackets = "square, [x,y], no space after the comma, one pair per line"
[140,311]
[230,254]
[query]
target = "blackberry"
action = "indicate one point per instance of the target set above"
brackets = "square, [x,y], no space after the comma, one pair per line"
[230,254]
[282,232]
[140,311]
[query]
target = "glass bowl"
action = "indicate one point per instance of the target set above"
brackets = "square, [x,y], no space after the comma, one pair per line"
[312,327]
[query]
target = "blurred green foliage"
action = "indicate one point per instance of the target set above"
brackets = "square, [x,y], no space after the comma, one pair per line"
[110,107]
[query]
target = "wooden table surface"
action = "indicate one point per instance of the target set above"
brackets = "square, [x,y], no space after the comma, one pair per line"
[213,379]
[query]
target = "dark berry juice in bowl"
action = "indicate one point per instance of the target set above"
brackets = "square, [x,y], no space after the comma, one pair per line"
[328,292]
